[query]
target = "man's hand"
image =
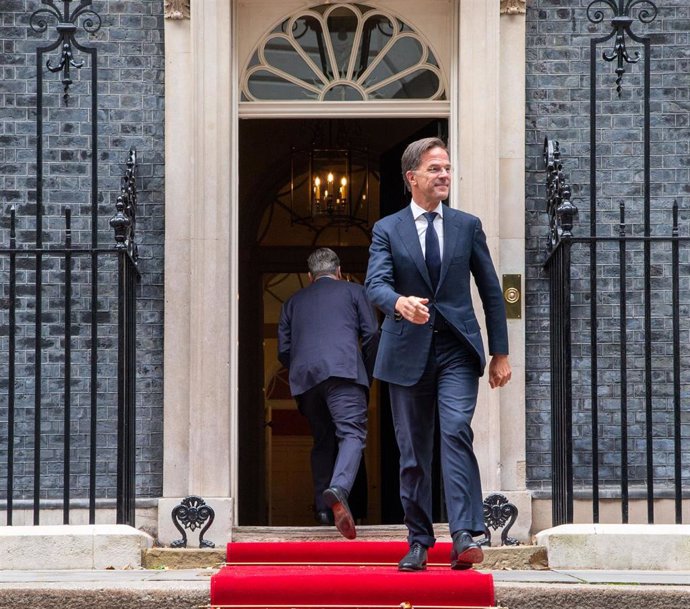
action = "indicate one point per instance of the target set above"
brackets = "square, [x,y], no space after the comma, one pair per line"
[413,309]
[499,371]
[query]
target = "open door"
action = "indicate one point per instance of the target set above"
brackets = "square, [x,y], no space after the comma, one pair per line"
[274,440]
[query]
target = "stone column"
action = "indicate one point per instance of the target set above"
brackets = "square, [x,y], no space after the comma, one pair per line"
[178,195]
[476,159]
[512,230]
[198,426]
[490,158]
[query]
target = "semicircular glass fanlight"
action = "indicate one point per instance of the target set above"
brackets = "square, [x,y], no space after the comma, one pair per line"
[343,52]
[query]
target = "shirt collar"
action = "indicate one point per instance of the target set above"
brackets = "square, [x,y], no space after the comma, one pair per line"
[418,211]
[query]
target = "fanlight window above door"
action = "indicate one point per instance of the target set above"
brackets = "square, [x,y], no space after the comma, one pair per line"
[343,52]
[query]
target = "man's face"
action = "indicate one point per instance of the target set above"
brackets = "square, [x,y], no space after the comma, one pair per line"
[430,182]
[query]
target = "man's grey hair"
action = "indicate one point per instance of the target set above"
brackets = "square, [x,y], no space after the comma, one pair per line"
[323,261]
[412,156]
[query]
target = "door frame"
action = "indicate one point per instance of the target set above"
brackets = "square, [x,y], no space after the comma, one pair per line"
[446,110]
[202,112]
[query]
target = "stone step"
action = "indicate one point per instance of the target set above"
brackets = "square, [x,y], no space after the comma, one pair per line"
[527,595]
[97,546]
[655,547]
[503,557]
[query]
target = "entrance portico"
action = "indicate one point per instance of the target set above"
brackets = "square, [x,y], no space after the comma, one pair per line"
[479,46]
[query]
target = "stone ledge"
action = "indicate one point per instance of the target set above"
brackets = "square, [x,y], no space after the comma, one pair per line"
[194,594]
[589,596]
[178,558]
[617,546]
[72,547]
[514,558]
[156,595]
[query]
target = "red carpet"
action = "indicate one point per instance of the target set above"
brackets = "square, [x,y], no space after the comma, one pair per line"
[330,552]
[343,574]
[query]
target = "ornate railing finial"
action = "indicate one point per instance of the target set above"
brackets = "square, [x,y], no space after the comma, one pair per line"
[621,21]
[561,210]
[66,27]
[123,222]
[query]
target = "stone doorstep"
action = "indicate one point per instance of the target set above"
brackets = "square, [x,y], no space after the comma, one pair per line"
[654,547]
[500,558]
[72,547]
[524,557]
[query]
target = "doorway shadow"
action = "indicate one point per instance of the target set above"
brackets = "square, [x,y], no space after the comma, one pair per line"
[272,241]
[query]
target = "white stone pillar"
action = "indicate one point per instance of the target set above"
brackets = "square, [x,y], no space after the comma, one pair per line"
[476,158]
[198,426]
[512,232]
[490,157]
[178,194]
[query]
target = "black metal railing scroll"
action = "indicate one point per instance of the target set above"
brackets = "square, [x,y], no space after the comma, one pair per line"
[193,513]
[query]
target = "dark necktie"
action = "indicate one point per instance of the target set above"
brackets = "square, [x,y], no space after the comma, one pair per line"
[433,251]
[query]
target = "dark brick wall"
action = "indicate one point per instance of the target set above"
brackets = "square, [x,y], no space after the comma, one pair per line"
[558,80]
[130,115]
[130,47]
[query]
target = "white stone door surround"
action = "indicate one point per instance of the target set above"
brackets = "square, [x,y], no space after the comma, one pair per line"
[480,46]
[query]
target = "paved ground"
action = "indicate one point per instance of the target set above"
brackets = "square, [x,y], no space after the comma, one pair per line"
[200,577]
[189,589]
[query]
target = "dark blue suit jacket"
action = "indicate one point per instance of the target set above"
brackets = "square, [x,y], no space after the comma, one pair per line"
[319,334]
[397,268]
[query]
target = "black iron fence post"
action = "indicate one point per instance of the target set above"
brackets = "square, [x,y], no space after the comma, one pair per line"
[11,372]
[123,224]
[561,214]
[621,20]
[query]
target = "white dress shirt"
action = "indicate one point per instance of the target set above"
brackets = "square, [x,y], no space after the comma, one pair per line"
[421,223]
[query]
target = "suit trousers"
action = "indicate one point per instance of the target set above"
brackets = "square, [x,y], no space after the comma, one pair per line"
[337,413]
[450,383]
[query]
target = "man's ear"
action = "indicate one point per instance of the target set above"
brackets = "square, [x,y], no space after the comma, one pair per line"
[411,178]
[311,279]
[338,274]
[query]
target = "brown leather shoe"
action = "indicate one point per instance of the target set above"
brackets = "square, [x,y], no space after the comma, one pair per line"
[414,560]
[466,551]
[336,499]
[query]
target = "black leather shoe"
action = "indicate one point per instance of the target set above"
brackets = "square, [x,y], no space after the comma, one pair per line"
[324,518]
[414,560]
[466,551]
[336,499]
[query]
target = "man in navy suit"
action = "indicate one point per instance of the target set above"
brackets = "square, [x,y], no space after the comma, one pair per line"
[431,351]
[319,334]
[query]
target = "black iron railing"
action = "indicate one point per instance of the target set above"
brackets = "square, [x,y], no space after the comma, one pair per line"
[69,310]
[626,372]
[618,303]
[119,264]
